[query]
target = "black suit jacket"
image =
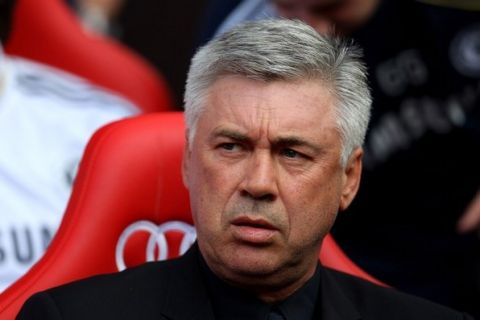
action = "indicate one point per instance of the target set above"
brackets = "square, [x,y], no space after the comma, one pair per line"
[175,290]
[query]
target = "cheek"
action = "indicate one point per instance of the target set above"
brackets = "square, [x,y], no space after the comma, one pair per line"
[308,227]
[309,213]
[312,208]
[210,190]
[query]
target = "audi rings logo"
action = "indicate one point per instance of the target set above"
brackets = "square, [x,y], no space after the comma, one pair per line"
[157,239]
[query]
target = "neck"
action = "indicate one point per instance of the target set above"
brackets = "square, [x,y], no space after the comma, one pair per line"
[270,288]
[275,295]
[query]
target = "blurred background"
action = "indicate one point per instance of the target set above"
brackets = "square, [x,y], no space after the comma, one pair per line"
[166,33]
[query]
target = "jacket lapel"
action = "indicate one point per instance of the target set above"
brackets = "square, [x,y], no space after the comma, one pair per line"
[185,296]
[334,304]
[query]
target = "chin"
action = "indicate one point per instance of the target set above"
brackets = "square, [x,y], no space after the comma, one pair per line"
[252,261]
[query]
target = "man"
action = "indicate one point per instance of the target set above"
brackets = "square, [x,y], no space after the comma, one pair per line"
[413,221]
[276,116]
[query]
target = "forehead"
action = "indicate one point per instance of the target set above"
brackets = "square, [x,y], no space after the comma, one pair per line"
[274,107]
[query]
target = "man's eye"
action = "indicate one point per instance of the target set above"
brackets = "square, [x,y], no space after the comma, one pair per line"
[229,146]
[289,153]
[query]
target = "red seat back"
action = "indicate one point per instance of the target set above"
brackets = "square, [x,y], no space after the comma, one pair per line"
[47,31]
[128,205]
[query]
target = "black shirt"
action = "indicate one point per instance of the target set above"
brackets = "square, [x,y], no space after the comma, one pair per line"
[230,303]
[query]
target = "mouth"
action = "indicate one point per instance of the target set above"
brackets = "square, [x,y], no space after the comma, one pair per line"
[253,230]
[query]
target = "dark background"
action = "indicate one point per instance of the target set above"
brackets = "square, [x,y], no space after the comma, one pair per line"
[166,34]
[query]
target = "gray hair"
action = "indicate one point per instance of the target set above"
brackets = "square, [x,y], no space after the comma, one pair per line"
[285,50]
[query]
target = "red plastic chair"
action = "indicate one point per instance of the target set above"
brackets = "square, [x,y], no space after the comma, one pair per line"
[129,180]
[47,31]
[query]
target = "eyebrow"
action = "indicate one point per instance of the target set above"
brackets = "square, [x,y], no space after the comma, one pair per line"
[292,141]
[287,141]
[234,135]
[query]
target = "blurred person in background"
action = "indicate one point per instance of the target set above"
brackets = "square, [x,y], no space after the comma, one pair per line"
[46,118]
[99,16]
[416,218]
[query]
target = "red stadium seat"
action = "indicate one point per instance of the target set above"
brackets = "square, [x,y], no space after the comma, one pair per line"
[128,205]
[47,31]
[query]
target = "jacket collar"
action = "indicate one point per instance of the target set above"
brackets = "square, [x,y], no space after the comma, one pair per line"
[185,294]
[333,302]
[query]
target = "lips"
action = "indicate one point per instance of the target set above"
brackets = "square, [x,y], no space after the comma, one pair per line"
[253,230]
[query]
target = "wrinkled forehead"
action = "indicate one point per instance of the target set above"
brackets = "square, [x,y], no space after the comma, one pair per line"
[253,103]
[237,91]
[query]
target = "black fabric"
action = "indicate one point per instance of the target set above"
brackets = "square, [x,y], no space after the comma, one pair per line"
[231,303]
[276,314]
[176,290]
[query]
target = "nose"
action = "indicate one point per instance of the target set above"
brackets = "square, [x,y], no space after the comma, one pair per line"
[260,180]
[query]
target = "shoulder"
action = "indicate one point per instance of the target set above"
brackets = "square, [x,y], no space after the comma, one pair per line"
[41,81]
[122,295]
[151,277]
[144,275]
[378,302]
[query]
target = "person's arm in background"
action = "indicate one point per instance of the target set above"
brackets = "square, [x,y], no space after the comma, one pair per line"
[470,220]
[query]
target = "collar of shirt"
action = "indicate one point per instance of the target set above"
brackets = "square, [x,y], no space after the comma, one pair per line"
[229,302]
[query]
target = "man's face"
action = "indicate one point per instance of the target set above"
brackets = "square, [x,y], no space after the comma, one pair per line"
[265,179]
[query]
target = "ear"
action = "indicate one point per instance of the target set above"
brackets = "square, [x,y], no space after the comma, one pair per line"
[185,160]
[351,178]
